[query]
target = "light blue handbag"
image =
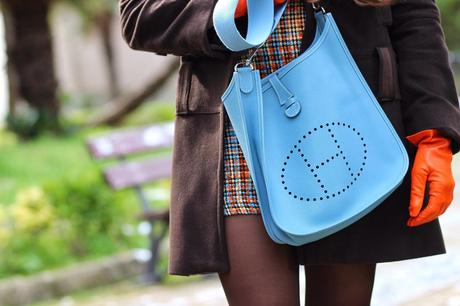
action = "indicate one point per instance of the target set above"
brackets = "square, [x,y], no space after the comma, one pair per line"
[321,152]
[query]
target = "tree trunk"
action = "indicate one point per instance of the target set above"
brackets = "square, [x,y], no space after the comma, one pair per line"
[30,58]
[104,24]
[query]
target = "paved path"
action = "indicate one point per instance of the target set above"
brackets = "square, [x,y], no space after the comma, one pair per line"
[428,281]
[440,280]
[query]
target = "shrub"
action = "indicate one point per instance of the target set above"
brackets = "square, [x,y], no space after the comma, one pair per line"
[30,240]
[94,213]
[75,218]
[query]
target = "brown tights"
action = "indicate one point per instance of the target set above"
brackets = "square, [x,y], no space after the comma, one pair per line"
[264,273]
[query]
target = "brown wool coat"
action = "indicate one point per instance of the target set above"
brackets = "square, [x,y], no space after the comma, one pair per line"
[403,42]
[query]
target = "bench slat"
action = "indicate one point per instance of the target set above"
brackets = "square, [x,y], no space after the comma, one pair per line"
[127,141]
[138,172]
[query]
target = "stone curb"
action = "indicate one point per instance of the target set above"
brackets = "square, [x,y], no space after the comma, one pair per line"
[20,291]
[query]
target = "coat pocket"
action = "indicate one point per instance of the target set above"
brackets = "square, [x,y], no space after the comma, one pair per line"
[201,83]
[207,84]
[183,87]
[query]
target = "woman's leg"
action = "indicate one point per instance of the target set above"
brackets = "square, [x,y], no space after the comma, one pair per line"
[262,272]
[339,284]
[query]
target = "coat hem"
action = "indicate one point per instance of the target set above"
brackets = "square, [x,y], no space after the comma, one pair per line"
[323,260]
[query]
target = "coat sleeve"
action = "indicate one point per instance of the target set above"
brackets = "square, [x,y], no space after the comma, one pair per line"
[429,98]
[178,27]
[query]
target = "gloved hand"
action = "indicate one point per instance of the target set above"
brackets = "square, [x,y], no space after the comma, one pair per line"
[241,8]
[433,165]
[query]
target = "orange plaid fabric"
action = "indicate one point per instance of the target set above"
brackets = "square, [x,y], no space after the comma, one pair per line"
[281,47]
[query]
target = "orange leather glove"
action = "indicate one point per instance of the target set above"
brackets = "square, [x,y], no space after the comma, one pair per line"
[433,165]
[241,8]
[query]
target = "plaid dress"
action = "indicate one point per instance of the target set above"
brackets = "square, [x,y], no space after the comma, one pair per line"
[282,46]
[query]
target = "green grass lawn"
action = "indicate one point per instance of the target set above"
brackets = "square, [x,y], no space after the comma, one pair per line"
[38,161]
[48,158]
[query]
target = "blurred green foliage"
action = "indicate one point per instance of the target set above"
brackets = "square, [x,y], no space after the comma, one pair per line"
[23,122]
[44,159]
[56,209]
[450,17]
[158,111]
[7,138]
[71,219]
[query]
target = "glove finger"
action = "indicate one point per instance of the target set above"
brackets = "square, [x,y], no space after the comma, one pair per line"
[418,178]
[428,214]
[442,192]
[446,201]
[433,206]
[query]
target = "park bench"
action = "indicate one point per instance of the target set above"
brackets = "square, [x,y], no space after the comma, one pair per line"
[136,172]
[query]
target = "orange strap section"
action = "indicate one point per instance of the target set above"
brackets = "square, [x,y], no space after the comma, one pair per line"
[241,9]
